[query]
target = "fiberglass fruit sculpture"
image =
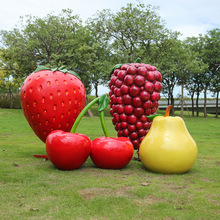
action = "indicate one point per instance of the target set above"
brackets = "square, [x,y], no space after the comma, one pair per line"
[67,151]
[52,100]
[135,91]
[109,152]
[168,147]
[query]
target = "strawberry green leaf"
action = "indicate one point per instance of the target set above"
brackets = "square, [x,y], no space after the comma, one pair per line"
[103,102]
[62,68]
[55,69]
[74,73]
[151,117]
[39,68]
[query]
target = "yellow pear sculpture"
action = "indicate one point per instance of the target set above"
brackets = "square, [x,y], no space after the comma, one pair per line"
[168,147]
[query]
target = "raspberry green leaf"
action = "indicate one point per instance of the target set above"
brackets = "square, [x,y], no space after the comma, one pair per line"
[117,66]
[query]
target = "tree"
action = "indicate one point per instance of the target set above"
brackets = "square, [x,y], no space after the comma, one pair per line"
[194,87]
[8,83]
[99,58]
[168,59]
[212,58]
[131,32]
[192,66]
[17,60]
[215,87]
[208,47]
[50,41]
[41,41]
[56,41]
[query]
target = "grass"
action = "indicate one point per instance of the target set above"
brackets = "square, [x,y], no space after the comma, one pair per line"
[31,188]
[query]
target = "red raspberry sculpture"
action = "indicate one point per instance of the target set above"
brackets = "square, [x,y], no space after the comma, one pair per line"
[134,94]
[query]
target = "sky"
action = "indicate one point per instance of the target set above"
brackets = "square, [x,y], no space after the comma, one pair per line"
[190,17]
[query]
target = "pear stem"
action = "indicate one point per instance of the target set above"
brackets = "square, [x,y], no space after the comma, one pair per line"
[167,113]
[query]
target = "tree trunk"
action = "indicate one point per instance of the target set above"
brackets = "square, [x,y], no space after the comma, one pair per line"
[169,97]
[10,96]
[192,95]
[172,103]
[205,110]
[96,89]
[197,104]
[197,100]
[89,112]
[216,111]
[182,100]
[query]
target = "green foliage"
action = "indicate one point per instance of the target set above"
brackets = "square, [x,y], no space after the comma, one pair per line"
[133,31]
[32,188]
[54,41]
[212,58]
[93,48]
[167,63]
[211,50]
[206,74]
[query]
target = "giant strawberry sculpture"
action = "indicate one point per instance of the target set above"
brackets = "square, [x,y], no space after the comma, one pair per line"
[52,100]
[134,94]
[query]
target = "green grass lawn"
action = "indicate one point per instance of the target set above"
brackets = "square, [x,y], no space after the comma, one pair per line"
[31,188]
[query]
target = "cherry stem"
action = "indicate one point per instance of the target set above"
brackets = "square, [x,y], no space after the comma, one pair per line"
[167,113]
[104,128]
[82,113]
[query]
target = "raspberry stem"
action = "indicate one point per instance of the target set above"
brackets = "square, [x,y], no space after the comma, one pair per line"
[138,60]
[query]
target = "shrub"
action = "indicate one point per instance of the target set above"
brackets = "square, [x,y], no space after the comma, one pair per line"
[10,101]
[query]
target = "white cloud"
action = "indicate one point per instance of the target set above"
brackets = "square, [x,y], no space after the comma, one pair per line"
[191,30]
[200,14]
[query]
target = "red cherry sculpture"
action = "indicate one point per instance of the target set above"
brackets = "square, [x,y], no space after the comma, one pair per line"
[67,151]
[111,153]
